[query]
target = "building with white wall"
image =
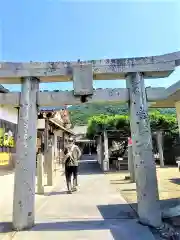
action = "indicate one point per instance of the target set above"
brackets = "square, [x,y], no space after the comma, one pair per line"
[8,130]
[9,114]
[59,121]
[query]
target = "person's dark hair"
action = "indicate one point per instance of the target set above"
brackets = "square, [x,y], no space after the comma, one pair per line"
[71,140]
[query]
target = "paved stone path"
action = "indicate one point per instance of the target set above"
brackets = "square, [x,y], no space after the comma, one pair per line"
[6,195]
[96,211]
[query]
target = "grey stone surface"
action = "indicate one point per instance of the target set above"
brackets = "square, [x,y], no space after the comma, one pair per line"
[95,211]
[152,66]
[158,97]
[144,164]
[25,168]
[55,99]
[131,164]
[40,173]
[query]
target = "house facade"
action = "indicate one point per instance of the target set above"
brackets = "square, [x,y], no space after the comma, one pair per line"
[8,131]
[54,126]
[87,146]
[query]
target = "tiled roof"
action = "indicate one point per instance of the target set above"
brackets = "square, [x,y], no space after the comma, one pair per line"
[3,89]
[80,129]
[51,108]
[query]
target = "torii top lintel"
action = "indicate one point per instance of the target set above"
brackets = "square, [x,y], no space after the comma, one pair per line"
[152,67]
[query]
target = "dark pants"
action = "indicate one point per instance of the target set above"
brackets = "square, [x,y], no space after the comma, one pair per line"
[69,171]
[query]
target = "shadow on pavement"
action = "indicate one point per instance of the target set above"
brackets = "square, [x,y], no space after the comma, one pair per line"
[120,229]
[164,204]
[175,180]
[55,193]
[169,203]
[116,227]
[5,172]
[117,219]
[117,211]
[130,189]
[87,167]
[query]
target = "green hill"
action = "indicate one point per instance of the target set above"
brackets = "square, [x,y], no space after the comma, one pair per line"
[81,113]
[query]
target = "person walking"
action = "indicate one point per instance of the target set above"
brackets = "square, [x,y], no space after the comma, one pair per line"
[72,156]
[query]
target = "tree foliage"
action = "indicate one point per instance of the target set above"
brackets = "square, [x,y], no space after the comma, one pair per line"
[158,121]
[167,122]
[80,114]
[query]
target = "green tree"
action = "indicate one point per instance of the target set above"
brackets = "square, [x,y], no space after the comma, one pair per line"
[80,114]
[158,121]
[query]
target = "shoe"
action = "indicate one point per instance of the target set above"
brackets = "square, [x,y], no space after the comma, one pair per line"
[74,189]
[69,192]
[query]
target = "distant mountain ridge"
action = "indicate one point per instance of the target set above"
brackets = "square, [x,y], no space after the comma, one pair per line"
[80,114]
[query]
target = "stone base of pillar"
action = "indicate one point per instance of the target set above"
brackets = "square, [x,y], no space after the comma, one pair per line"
[105,166]
[166,231]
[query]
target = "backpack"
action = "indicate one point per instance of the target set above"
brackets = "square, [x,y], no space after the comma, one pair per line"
[74,156]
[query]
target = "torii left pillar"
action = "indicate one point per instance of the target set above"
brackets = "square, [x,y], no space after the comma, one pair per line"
[24,183]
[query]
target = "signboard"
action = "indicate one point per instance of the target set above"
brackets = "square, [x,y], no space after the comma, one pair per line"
[83,79]
[4,158]
[7,141]
[129,141]
[6,138]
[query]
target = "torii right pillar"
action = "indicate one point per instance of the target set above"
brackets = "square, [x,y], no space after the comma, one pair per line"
[145,170]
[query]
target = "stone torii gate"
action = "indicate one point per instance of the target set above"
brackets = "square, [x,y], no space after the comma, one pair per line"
[82,73]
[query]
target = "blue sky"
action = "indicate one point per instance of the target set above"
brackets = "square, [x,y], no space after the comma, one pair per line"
[51,30]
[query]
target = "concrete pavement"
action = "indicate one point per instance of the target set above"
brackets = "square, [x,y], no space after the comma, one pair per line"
[6,199]
[6,195]
[96,211]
